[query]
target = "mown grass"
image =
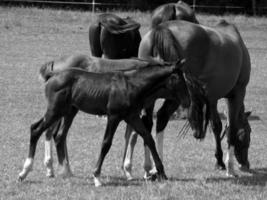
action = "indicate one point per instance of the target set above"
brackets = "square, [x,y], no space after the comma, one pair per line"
[29,37]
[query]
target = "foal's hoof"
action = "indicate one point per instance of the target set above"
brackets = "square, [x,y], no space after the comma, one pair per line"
[157,176]
[20,179]
[244,168]
[220,166]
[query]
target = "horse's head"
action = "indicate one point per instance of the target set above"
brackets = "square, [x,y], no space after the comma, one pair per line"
[177,84]
[243,141]
[199,110]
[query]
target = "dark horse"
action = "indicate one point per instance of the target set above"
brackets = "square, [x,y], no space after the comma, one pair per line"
[218,66]
[173,11]
[114,37]
[165,12]
[119,95]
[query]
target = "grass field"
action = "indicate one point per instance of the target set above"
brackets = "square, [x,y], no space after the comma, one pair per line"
[29,37]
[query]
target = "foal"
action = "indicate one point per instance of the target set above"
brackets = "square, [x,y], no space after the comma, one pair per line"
[120,96]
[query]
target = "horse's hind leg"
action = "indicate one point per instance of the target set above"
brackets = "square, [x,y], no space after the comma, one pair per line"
[36,131]
[216,125]
[137,124]
[163,117]
[48,160]
[61,145]
[130,141]
[112,124]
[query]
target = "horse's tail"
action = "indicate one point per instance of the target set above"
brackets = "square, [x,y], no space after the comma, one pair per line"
[114,28]
[165,45]
[46,71]
[94,40]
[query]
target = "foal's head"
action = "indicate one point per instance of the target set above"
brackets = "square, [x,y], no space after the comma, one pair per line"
[199,110]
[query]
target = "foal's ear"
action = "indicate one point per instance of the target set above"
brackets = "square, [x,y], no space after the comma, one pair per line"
[180,63]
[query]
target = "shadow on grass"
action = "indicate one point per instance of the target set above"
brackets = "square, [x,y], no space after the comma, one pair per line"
[257,177]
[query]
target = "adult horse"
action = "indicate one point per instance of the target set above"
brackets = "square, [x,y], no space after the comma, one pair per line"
[165,12]
[218,66]
[173,11]
[113,37]
[119,95]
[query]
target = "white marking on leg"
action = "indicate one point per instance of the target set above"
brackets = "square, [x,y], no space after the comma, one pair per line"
[230,171]
[48,160]
[97,182]
[159,140]
[27,167]
[127,165]
[147,162]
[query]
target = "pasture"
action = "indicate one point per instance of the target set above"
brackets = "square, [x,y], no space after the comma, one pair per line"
[29,37]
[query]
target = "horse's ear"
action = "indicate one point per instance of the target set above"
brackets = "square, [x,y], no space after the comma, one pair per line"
[180,63]
[248,113]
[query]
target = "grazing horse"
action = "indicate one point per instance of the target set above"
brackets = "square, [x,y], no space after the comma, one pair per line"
[165,12]
[114,37]
[119,95]
[173,11]
[218,66]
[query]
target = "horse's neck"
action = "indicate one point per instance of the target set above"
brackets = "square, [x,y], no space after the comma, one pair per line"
[147,78]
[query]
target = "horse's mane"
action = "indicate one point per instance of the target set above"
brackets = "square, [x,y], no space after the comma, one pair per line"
[198,96]
[164,44]
[118,25]
[163,13]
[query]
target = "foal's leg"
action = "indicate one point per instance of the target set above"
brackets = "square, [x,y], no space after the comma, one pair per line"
[36,131]
[48,160]
[216,125]
[130,141]
[137,124]
[112,124]
[61,145]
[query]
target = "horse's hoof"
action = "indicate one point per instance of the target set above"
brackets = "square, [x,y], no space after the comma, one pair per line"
[97,182]
[220,166]
[231,175]
[157,176]
[50,175]
[20,179]
[244,168]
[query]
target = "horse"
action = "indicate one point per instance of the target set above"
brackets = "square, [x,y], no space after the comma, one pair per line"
[173,11]
[119,95]
[218,66]
[165,12]
[113,37]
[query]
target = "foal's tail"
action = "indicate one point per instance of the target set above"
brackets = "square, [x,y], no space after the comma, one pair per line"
[165,45]
[46,71]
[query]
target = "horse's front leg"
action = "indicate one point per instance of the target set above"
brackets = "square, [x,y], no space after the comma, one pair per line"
[137,124]
[235,104]
[216,125]
[61,145]
[130,141]
[112,124]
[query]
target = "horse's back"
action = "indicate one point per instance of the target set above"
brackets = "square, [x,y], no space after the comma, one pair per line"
[216,56]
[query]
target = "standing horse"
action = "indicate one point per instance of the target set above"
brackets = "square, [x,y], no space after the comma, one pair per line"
[100,65]
[114,37]
[165,12]
[218,66]
[120,96]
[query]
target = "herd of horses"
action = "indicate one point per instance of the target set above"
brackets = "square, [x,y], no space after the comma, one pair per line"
[178,59]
